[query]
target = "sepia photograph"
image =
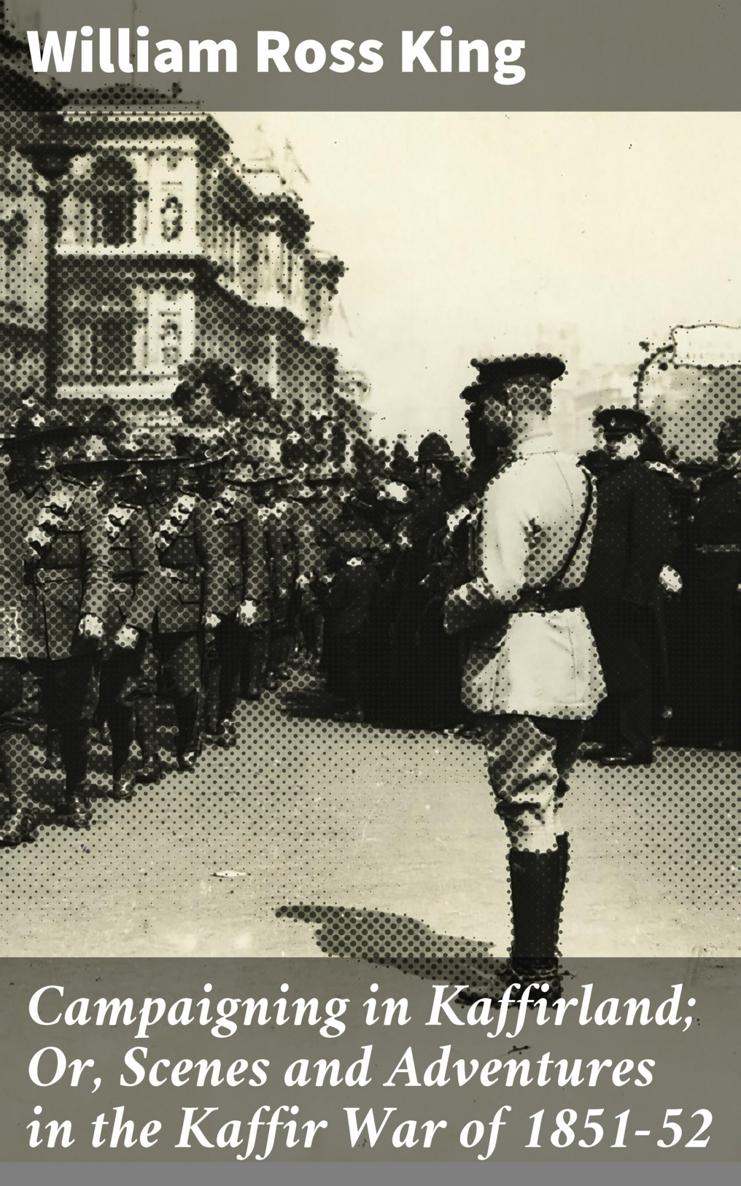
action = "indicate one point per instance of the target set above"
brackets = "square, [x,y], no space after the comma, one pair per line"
[370,533]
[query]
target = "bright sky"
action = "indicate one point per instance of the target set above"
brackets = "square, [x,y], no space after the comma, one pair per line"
[470,234]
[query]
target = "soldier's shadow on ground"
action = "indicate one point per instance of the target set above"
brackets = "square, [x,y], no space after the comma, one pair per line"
[397,941]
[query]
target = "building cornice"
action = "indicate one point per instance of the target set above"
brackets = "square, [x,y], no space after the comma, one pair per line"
[189,268]
[89,116]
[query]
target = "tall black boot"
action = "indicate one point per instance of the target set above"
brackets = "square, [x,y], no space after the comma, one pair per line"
[256,662]
[231,667]
[122,734]
[145,724]
[537,882]
[563,860]
[74,748]
[187,711]
[212,699]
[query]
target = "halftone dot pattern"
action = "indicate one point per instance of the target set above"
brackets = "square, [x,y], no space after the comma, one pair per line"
[259,723]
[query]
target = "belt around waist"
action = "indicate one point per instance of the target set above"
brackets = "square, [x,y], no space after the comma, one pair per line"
[550,601]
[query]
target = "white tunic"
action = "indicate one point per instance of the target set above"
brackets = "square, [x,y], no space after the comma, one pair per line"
[546,663]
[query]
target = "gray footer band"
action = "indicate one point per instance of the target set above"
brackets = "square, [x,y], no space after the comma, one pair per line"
[379,1174]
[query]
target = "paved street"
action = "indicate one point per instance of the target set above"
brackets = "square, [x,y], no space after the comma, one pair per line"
[351,820]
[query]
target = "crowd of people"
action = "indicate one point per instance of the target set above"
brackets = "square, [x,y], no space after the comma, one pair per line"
[661,589]
[142,568]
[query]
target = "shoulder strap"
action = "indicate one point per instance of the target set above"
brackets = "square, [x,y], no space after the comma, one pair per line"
[558,577]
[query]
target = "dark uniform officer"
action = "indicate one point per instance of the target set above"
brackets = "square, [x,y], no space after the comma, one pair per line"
[716,538]
[66,565]
[428,677]
[670,609]
[349,587]
[254,608]
[258,623]
[632,543]
[129,675]
[453,552]
[210,455]
[186,546]
[380,659]
[283,554]
[305,498]
[32,438]
[238,587]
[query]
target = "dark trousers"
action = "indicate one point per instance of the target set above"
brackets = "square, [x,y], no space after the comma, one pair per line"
[342,665]
[282,641]
[180,680]
[311,623]
[255,659]
[715,617]
[223,671]
[69,693]
[624,635]
[16,713]
[128,701]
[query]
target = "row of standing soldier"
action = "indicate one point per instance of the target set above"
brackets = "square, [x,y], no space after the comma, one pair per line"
[141,570]
[133,569]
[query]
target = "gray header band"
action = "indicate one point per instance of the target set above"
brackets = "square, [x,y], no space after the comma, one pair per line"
[580,55]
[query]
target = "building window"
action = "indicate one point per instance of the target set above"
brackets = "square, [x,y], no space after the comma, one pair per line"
[114,200]
[112,345]
[171,218]
[170,346]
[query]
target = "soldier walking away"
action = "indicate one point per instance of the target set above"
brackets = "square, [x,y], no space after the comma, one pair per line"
[532,675]
[66,567]
[632,546]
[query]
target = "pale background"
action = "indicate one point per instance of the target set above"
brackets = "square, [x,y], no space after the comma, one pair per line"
[481,232]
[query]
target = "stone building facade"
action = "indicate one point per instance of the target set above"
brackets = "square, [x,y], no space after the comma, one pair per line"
[22,237]
[170,249]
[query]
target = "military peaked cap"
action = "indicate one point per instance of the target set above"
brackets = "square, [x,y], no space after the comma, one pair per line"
[620,422]
[494,372]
